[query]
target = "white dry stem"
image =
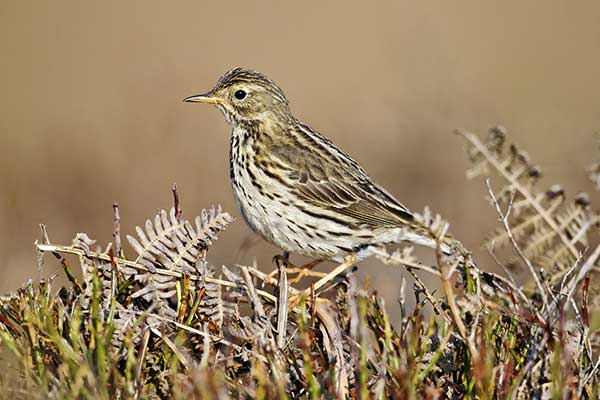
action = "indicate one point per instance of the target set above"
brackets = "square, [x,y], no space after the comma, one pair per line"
[504,219]
[282,306]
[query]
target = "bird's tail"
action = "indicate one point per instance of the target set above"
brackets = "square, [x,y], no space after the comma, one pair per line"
[424,235]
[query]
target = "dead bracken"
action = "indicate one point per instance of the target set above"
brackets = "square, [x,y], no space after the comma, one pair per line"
[165,323]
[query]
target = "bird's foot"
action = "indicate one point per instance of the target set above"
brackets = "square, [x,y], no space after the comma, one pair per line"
[301,272]
[340,269]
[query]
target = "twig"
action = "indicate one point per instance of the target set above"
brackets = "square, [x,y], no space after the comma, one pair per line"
[117,229]
[589,376]
[476,325]
[432,300]
[282,306]
[511,280]
[140,363]
[196,304]
[313,303]
[259,311]
[176,206]
[113,286]
[182,358]
[184,298]
[215,339]
[584,306]
[266,278]
[390,258]
[568,272]
[206,349]
[336,338]
[583,271]
[504,219]
[348,262]
[66,267]
[446,275]
[402,300]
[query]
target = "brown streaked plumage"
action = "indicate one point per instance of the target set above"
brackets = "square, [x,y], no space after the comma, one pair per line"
[295,187]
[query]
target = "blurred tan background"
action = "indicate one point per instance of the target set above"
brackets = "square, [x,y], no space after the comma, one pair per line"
[91,110]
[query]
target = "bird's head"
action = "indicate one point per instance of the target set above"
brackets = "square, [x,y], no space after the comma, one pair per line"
[245,95]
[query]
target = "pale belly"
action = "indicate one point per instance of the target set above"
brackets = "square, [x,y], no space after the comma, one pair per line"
[283,226]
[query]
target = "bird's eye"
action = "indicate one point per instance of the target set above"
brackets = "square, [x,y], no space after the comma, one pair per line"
[240,94]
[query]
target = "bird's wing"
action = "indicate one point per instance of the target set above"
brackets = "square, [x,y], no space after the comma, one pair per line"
[335,182]
[362,201]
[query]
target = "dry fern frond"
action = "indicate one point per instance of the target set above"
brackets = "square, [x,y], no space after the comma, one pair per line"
[173,244]
[550,229]
[91,267]
[171,263]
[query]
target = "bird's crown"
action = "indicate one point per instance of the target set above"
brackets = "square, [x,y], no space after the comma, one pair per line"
[241,76]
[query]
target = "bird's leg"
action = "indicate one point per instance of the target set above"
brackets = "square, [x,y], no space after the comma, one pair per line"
[348,263]
[301,271]
[277,260]
[305,271]
[311,265]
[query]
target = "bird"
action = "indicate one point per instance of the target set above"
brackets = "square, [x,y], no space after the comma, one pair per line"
[295,187]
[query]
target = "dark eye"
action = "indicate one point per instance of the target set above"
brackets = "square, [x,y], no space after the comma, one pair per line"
[240,94]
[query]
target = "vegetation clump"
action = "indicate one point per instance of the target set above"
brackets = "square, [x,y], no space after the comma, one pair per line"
[168,324]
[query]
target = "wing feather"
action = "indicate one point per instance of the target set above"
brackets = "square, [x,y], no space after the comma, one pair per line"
[324,176]
[365,207]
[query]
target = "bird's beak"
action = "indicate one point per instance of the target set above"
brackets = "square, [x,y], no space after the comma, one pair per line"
[204,98]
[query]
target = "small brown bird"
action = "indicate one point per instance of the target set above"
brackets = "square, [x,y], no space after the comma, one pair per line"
[295,187]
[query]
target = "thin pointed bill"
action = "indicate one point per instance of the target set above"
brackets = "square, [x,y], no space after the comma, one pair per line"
[204,98]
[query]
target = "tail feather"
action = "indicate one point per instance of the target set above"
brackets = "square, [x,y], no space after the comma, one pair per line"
[447,243]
